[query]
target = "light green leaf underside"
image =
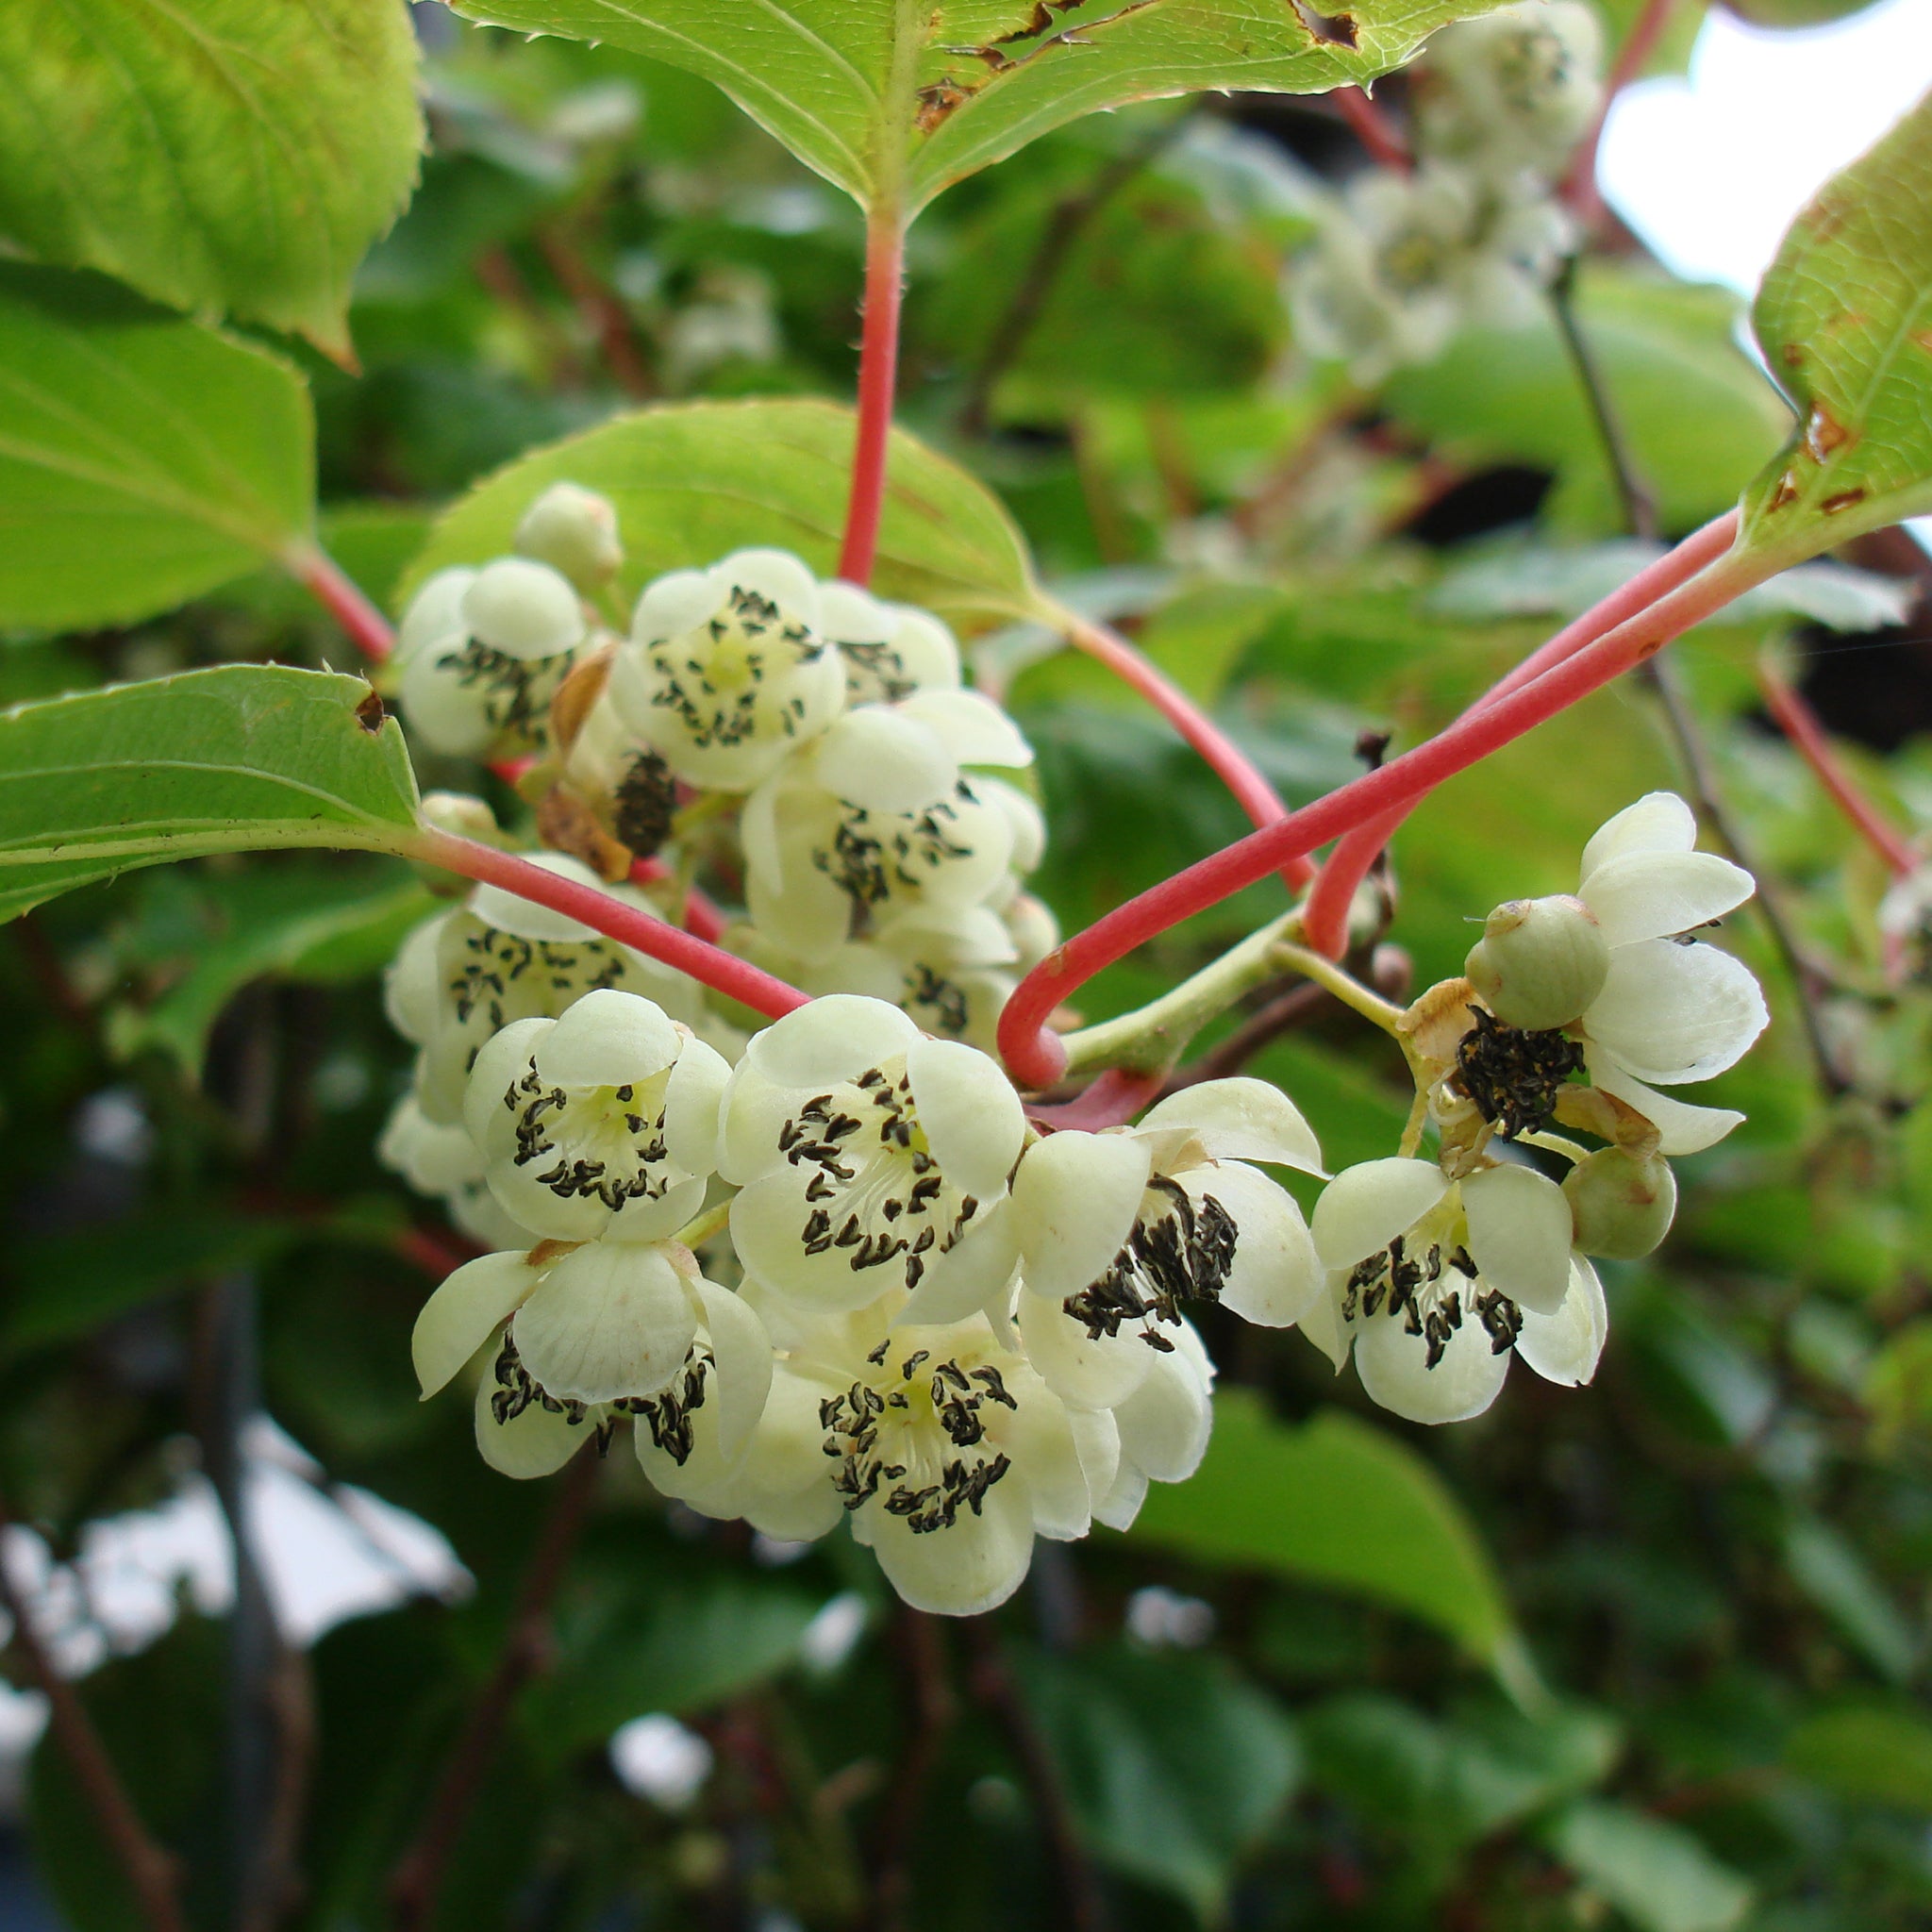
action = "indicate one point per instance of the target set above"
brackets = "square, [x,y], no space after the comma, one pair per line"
[1336,1502]
[242,758]
[1656,1872]
[1844,318]
[885,96]
[143,458]
[219,154]
[697,480]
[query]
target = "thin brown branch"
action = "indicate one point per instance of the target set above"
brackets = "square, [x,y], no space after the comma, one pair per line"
[922,1646]
[1579,186]
[417,1877]
[1377,134]
[1083,1905]
[602,313]
[152,1873]
[1050,253]
[1640,512]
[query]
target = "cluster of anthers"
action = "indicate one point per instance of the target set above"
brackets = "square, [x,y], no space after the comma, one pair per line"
[1472,233]
[832,1270]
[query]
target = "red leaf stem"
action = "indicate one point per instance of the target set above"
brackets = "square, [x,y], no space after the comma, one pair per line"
[878,361]
[331,586]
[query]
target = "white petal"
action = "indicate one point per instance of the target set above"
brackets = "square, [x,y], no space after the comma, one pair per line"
[1324,1325]
[528,920]
[927,650]
[751,1114]
[1650,895]
[773,573]
[878,759]
[1091,1372]
[1097,1440]
[969,1112]
[1393,1365]
[692,1100]
[1075,1199]
[642,1220]
[1039,1437]
[768,1218]
[1166,1422]
[1659,821]
[413,986]
[608,1321]
[1519,1234]
[467,1309]
[832,1040]
[435,615]
[1242,1119]
[1025,827]
[1565,1347]
[973,728]
[446,712]
[971,1276]
[1672,1013]
[1276,1276]
[1684,1128]
[676,603]
[740,1376]
[973,1565]
[1363,1209]
[1121,1504]
[607,1038]
[531,1444]
[503,1060]
[523,609]
[852,616]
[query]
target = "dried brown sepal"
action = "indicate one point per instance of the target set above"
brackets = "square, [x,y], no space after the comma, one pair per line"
[1438,1021]
[566,823]
[1591,1110]
[578,692]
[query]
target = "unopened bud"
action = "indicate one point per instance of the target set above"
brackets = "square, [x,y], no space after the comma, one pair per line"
[1539,962]
[1622,1207]
[574,531]
[523,609]
[458,812]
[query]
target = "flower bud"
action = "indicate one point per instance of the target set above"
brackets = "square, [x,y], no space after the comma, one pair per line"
[458,812]
[1622,1207]
[574,531]
[1539,962]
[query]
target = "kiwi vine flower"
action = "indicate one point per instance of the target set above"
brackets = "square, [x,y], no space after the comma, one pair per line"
[1433,1282]
[603,1121]
[869,1157]
[889,650]
[727,668]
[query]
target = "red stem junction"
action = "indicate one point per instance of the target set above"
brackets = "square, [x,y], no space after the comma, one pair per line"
[1800,723]
[1035,1058]
[1252,792]
[630,925]
[878,364]
[1325,921]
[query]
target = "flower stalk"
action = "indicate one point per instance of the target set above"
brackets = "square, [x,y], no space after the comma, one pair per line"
[878,363]
[331,586]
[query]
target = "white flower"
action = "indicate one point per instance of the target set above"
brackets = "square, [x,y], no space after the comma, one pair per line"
[1434,1281]
[466,975]
[870,1157]
[1514,91]
[878,822]
[727,668]
[891,650]
[940,1443]
[1117,1232]
[1669,1012]
[581,1336]
[603,1122]
[1162,1429]
[443,1162]
[481,653]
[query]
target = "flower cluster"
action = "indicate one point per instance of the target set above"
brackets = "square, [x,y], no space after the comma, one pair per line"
[832,1270]
[1402,260]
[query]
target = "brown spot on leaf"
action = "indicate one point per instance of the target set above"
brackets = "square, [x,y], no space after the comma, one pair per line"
[1330,29]
[370,714]
[1823,433]
[1792,356]
[1844,500]
[1786,490]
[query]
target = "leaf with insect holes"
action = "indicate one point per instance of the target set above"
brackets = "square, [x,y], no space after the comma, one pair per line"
[895,100]
[238,759]
[1844,318]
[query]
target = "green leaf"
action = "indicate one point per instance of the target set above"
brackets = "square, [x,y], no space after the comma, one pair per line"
[322,928]
[143,458]
[894,100]
[1834,1575]
[694,481]
[1844,318]
[1698,417]
[1339,1502]
[1656,1875]
[242,758]
[217,153]
[1871,1757]
[1173,1765]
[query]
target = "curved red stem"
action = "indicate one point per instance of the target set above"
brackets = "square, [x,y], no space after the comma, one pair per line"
[701,916]
[1799,722]
[879,362]
[331,586]
[1252,792]
[1324,922]
[1035,1058]
[631,925]
[1373,129]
